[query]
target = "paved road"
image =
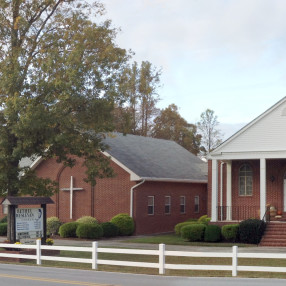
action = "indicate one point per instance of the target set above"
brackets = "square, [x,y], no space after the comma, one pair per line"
[15,275]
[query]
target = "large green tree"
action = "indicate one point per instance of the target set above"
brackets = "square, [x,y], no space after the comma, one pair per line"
[170,125]
[138,85]
[58,80]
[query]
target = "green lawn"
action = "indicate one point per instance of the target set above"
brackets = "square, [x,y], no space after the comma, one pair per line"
[172,239]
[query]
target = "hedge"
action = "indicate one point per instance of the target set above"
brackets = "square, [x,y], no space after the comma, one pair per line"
[251,230]
[212,233]
[193,232]
[87,219]
[53,225]
[89,230]
[178,226]
[109,229]
[3,228]
[68,229]
[230,232]
[204,219]
[124,223]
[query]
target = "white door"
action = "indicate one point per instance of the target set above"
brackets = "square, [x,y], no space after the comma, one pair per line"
[284,194]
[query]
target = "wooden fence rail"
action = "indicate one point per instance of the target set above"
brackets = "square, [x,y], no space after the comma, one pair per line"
[161,253]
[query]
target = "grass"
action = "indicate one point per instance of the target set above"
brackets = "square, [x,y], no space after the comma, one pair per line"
[172,239]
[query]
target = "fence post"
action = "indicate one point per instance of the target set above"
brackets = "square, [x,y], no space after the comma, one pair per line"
[161,258]
[38,251]
[234,261]
[94,255]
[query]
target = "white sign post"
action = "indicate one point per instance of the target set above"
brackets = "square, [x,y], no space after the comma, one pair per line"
[29,223]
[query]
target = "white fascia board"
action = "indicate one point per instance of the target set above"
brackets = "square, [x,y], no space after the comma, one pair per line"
[249,155]
[171,180]
[133,176]
[231,138]
[35,163]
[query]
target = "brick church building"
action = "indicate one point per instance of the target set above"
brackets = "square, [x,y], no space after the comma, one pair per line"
[157,182]
[248,171]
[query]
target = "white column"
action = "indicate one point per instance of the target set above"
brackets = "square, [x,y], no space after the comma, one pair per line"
[262,187]
[228,191]
[71,196]
[214,190]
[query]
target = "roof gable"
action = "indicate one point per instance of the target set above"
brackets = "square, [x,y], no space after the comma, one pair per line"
[266,133]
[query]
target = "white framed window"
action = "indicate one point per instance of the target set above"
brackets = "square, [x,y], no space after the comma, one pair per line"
[167,204]
[197,204]
[245,180]
[182,204]
[151,205]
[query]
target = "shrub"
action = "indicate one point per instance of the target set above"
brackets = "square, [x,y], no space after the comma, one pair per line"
[204,219]
[212,233]
[49,241]
[251,230]
[124,223]
[53,225]
[87,219]
[89,230]
[3,228]
[4,219]
[193,232]
[230,232]
[68,229]
[178,226]
[109,229]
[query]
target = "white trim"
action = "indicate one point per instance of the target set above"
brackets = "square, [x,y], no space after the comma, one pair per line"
[131,196]
[247,126]
[214,190]
[35,163]
[133,176]
[262,187]
[170,180]
[228,190]
[279,154]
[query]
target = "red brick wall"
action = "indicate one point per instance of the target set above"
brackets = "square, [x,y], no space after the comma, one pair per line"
[274,190]
[161,222]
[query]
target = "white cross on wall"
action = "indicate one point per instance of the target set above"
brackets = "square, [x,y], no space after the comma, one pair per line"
[71,189]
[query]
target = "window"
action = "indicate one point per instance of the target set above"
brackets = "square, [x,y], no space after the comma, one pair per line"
[183,204]
[150,205]
[197,204]
[245,180]
[167,204]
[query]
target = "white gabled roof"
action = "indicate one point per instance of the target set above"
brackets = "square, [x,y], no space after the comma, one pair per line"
[264,137]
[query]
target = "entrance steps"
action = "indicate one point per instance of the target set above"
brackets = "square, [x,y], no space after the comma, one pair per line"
[275,234]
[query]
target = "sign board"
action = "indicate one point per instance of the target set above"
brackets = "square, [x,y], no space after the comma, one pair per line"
[29,223]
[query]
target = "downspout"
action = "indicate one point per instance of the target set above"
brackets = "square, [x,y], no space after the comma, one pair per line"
[221,190]
[131,196]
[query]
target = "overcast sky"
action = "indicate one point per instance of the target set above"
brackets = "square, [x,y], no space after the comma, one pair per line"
[226,55]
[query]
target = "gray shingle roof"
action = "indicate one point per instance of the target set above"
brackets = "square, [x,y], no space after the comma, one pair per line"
[156,158]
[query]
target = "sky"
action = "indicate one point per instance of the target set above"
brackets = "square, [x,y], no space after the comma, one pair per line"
[225,55]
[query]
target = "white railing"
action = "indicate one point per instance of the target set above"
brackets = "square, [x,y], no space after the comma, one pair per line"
[161,253]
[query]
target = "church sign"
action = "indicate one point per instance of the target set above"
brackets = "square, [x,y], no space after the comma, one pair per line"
[29,223]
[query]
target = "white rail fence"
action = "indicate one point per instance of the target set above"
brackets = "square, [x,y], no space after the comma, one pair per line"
[162,253]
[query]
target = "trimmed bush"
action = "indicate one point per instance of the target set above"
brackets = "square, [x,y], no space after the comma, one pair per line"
[109,229]
[230,232]
[212,233]
[178,226]
[124,223]
[4,219]
[251,230]
[89,230]
[68,229]
[3,228]
[87,219]
[193,232]
[204,219]
[53,225]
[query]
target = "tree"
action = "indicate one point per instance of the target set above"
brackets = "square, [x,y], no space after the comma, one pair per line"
[58,79]
[139,87]
[171,126]
[207,126]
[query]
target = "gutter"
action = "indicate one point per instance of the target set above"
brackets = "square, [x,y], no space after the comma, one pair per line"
[171,180]
[131,196]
